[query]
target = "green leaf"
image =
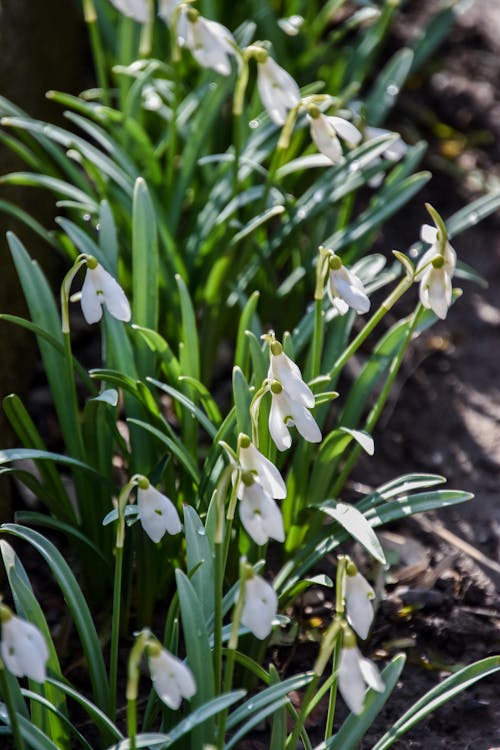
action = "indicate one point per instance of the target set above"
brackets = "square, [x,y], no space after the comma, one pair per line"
[242,398]
[363,438]
[32,518]
[199,556]
[473,213]
[145,262]
[21,454]
[242,354]
[176,448]
[55,185]
[387,86]
[53,713]
[436,697]
[266,696]
[409,505]
[104,725]
[186,402]
[76,604]
[35,738]
[357,525]
[189,355]
[198,652]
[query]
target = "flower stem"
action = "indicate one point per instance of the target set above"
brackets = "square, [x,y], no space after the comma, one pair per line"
[11,709]
[384,308]
[90,16]
[332,700]
[115,631]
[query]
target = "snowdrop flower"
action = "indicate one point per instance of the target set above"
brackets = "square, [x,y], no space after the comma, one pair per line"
[136,9]
[325,131]
[171,678]
[23,649]
[283,369]
[157,513]
[345,289]
[358,598]
[259,514]
[434,272]
[355,674]
[210,43]
[285,413]
[260,607]
[278,91]
[266,474]
[100,288]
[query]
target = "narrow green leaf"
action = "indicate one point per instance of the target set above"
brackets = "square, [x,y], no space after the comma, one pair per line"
[357,525]
[199,555]
[436,697]
[190,353]
[145,263]
[387,86]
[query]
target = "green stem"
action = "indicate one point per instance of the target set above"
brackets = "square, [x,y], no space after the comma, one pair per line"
[376,411]
[115,631]
[332,700]
[384,308]
[218,585]
[90,16]
[132,723]
[317,340]
[11,710]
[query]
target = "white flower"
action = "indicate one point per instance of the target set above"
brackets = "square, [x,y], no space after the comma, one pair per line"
[259,514]
[277,89]
[267,475]
[210,43]
[24,651]
[166,9]
[435,280]
[172,679]
[359,609]
[100,288]
[346,290]
[355,674]
[260,607]
[282,368]
[325,131]
[136,9]
[157,513]
[286,412]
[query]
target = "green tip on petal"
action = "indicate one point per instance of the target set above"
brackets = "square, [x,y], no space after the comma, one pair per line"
[276,348]
[335,263]
[91,262]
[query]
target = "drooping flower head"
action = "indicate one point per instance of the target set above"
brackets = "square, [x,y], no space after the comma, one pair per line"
[278,91]
[345,289]
[259,482]
[172,679]
[326,130]
[260,606]
[436,267]
[100,288]
[356,674]
[211,44]
[23,649]
[358,601]
[157,513]
[291,399]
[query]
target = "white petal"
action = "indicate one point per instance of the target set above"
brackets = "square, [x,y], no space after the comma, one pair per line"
[157,513]
[359,608]
[423,264]
[346,130]
[251,459]
[305,423]
[23,649]
[114,296]
[166,9]
[350,289]
[277,89]
[286,371]
[439,292]
[428,233]
[260,516]
[351,682]
[323,135]
[260,607]
[278,417]
[136,9]
[91,299]
[371,675]
[211,44]
[172,679]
